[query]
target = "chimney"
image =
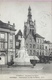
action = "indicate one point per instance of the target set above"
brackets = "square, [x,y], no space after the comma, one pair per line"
[8,22]
[13,25]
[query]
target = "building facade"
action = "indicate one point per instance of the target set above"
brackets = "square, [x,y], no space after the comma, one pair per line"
[47,48]
[39,45]
[7,42]
[50,48]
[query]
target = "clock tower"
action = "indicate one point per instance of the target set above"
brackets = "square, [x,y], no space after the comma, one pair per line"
[29,26]
[30,34]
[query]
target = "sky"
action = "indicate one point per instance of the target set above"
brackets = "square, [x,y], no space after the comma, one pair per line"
[16,11]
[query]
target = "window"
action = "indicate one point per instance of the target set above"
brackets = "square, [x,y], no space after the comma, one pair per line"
[38,46]
[40,53]
[26,45]
[30,52]
[19,55]
[0,58]
[11,36]
[31,30]
[30,45]
[37,53]
[11,41]
[42,47]
[19,37]
[45,47]
[11,45]
[5,36]
[5,45]
[38,40]
[16,55]
[30,39]
[2,35]
[33,45]
[31,23]
[17,43]
[34,52]
[2,45]
[42,41]
[49,49]
[43,53]
[11,57]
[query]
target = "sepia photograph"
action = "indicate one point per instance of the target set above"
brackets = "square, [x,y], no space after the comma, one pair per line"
[25,40]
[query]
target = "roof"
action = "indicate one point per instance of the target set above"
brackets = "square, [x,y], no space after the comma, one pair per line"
[19,33]
[6,26]
[47,42]
[39,36]
[25,36]
[34,36]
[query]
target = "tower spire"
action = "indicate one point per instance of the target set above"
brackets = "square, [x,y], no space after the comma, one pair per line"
[29,14]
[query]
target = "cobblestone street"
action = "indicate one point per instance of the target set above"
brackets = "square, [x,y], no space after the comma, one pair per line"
[39,68]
